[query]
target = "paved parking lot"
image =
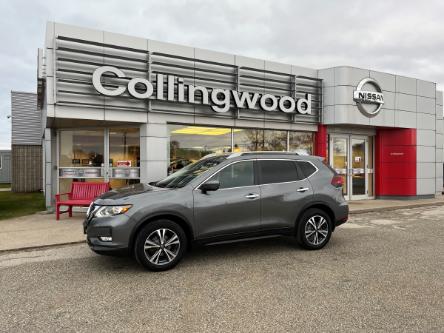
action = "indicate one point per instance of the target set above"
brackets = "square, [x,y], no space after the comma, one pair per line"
[380,272]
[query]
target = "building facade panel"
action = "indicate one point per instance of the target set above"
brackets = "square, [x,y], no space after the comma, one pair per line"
[426,154]
[426,121]
[426,137]
[426,89]
[426,105]
[26,119]
[349,76]
[26,168]
[426,170]
[405,85]
[5,166]
[405,119]
[405,102]
[425,187]
[385,119]
[388,81]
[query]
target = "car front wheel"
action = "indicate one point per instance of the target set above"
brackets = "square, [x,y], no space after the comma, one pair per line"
[160,245]
[314,229]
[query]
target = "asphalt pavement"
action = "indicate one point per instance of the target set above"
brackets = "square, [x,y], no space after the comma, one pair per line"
[381,272]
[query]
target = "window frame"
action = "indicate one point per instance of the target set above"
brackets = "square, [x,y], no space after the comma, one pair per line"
[298,169]
[255,175]
[278,159]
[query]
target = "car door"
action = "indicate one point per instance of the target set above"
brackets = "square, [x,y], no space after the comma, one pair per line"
[234,207]
[284,191]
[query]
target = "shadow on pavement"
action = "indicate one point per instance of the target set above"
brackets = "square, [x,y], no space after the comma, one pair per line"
[207,255]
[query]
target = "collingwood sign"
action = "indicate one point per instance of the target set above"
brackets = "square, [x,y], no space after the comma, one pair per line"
[221,99]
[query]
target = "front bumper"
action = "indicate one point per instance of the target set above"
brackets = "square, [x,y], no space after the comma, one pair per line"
[115,227]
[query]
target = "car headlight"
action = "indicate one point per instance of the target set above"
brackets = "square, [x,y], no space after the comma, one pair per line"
[106,211]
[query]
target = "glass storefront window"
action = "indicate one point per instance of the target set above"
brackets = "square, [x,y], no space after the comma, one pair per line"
[301,142]
[272,140]
[82,154]
[275,140]
[124,156]
[81,148]
[248,139]
[190,143]
[81,157]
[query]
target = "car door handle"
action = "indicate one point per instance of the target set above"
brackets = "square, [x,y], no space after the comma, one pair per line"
[302,189]
[252,196]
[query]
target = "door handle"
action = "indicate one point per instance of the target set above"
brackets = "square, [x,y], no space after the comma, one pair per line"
[302,189]
[252,196]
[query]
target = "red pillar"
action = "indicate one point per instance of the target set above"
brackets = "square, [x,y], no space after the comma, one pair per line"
[395,162]
[321,141]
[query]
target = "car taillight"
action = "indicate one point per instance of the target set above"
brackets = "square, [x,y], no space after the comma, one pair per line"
[337,181]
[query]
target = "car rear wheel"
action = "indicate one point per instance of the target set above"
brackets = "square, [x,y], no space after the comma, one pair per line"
[160,245]
[314,229]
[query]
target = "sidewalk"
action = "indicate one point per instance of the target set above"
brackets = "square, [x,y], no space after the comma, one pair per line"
[364,206]
[41,230]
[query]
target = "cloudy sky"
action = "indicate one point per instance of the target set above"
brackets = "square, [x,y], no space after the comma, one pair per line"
[403,37]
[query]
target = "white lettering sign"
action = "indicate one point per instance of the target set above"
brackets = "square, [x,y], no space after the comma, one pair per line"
[220,98]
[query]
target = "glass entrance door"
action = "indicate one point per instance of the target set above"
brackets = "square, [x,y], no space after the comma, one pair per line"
[357,173]
[352,158]
[339,159]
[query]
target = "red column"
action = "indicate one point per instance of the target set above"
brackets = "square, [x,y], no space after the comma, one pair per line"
[395,162]
[321,141]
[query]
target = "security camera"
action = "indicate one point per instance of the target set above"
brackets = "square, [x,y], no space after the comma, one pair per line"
[8,116]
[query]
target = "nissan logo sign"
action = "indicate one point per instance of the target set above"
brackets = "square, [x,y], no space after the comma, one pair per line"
[362,97]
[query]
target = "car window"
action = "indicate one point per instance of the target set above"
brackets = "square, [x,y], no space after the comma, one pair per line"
[306,168]
[278,171]
[191,171]
[236,175]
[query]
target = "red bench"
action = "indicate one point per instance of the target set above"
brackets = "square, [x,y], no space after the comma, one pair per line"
[81,195]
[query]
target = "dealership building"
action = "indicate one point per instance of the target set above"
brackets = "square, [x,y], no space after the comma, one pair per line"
[124,109]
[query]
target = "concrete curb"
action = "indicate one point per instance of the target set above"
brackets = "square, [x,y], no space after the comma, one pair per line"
[378,209]
[40,247]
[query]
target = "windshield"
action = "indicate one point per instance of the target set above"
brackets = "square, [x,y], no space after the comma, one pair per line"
[191,171]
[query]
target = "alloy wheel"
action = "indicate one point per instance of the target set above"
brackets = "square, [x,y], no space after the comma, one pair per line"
[316,230]
[162,246]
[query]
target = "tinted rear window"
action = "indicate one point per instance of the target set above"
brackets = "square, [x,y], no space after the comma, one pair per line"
[274,171]
[307,168]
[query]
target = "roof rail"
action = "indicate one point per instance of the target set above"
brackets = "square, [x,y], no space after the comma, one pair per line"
[262,153]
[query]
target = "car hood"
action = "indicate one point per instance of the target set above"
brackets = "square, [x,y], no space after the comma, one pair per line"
[129,191]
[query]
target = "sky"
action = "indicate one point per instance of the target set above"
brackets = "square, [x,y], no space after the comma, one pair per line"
[401,37]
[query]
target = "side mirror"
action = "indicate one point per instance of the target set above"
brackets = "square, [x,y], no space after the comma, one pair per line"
[212,185]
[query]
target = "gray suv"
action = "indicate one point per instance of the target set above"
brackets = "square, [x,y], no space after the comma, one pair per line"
[217,199]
